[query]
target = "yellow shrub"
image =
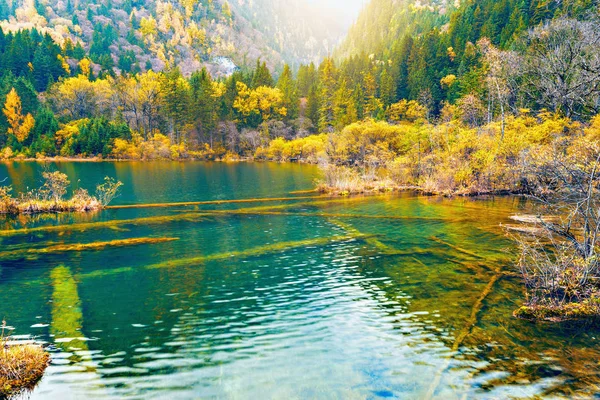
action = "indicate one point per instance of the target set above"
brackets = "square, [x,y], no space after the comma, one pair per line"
[6,153]
[593,131]
[275,151]
[67,131]
[123,149]
[261,153]
[463,176]
[310,149]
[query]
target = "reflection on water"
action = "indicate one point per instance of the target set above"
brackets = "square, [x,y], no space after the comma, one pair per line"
[395,296]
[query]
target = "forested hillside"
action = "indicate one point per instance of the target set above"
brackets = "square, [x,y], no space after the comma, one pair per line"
[426,45]
[485,67]
[130,36]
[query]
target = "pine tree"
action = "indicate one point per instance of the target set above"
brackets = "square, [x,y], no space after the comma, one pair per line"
[371,102]
[41,138]
[262,76]
[41,68]
[203,105]
[39,7]
[345,111]
[4,10]
[177,101]
[387,89]
[287,85]
[313,104]
[358,97]
[307,78]
[78,51]
[327,82]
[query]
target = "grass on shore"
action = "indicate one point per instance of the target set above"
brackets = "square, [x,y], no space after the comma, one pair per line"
[586,310]
[21,368]
[38,206]
[49,198]
[345,181]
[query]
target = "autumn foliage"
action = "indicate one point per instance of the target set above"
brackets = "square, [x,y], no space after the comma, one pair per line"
[19,125]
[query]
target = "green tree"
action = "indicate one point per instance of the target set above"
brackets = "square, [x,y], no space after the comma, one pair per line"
[345,111]
[41,138]
[327,83]
[387,89]
[203,101]
[262,76]
[313,105]
[287,85]
[176,98]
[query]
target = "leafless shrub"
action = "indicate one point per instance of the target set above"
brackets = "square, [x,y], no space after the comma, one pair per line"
[108,190]
[553,273]
[562,62]
[8,204]
[559,261]
[55,185]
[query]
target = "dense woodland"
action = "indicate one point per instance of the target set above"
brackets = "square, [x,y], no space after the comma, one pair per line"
[128,36]
[435,94]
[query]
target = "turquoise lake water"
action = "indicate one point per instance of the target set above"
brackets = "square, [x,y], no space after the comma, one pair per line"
[303,297]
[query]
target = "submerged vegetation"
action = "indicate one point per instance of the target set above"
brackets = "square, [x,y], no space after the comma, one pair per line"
[67,315]
[452,98]
[63,248]
[49,198]
[21,366]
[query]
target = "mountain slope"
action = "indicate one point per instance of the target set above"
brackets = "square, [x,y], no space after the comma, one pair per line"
[430,46]
[301,31]
[134,35]
[384,22]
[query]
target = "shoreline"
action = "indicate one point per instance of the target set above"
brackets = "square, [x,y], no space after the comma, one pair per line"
[392,188]
[583,312]
[60,159]
[365,188]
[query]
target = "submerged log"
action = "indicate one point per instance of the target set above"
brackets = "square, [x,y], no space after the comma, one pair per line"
[74,247]
[466,331]
[372,241]
[67,315]
[253,211]
[532,219]
[80,227]
[530,230]
[454,247]
[213,202]
[254,252]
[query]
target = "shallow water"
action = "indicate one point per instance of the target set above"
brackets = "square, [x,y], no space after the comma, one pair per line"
[394,296]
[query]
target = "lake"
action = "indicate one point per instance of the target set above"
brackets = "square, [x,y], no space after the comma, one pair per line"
[304,296]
